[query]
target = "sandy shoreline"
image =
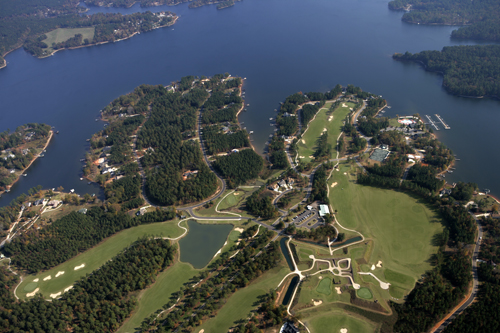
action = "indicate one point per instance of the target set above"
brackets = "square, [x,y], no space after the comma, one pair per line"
[33,160]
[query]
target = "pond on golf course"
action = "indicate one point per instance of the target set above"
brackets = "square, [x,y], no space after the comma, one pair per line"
[202,242]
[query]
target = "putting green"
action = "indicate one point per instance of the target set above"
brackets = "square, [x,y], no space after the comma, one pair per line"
[364,293]
[324,286]
[30,287]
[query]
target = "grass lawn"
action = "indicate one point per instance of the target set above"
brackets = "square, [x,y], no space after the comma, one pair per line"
[239,305]
[316,127]
[334,321]
[364,293]
[153,298]
[93,258]
[63,34]
[400,226]
[324,286]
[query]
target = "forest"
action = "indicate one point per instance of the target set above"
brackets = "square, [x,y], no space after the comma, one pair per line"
[277,153]
[260,204]
[482,18]
[468,70]
[130,3]
[216,141]
[319,189]
[99,302]
[65,238]
[238,168]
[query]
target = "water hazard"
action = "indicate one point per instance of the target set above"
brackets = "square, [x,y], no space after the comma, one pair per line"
[202,242]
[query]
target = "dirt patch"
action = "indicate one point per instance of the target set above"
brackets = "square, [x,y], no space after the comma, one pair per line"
[31,294]
[337,289]
[47,278]
[59,273]
[334,184]
[317,303]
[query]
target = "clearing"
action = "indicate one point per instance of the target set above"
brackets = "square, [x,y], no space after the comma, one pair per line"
[63,34]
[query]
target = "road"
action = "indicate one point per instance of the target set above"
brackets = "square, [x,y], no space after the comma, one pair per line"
[475,284]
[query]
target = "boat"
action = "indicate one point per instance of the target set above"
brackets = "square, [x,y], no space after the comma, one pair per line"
[270,118]
[72,190]
[81,178]
[251,132]
[248,104]
[42,155]
[25,174]
[89,183]
[96,119]
[44,151]
[57,132]
[88,140]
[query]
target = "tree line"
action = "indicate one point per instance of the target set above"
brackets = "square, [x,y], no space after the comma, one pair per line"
[238,168]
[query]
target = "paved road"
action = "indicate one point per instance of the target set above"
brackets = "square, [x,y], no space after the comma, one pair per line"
[475,281]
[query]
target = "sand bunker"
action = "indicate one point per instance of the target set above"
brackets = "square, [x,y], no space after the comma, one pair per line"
[324,129]
[239,229]
[59,273]
[68,289]
[202,331]
[379,264]
[79,267]
[301,156]
[31,294]
[36,280]
[303,141]
[345,173]
[236,193]
[47,278]
[334,184]
[330,118]
[373,267]
[320,277]
[310,156]
[55,295]
[343,330]
[344,105]
[337,289]
[317,303]
[350,109]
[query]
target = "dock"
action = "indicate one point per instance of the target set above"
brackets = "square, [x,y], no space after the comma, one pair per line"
[432,123]
[442,121]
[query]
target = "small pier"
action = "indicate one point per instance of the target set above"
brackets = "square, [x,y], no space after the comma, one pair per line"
[442,121]
[432,123]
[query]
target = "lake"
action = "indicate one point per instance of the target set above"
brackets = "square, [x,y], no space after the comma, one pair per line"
[202,242]
[281,46]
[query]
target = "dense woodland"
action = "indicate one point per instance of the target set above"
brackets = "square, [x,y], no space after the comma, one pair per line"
[65,238]
[260,204]
[216,141]
[482,18]
[319,189]
[130,3]
[277,153]
[238,168]
[99,302]
[468,70]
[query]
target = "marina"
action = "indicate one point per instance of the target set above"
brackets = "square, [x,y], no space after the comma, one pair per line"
[442,121]
[432,123]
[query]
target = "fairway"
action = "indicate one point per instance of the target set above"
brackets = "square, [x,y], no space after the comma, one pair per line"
[400,226]
[334,321]
[316,127]
[93,258]
[153,298]
[63,34]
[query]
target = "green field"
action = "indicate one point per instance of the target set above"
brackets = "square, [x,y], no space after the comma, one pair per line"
[334,321]
[93,258]
[400,226]
[239,305]
[153,298]
[63,34]
[316,127]
[324,286]
[364,293]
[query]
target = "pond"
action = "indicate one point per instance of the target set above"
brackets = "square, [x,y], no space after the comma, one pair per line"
[202,242]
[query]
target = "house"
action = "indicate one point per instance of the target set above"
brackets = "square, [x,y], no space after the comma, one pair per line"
[235,151]
[288,328]
[290,181]
[274,187]
[83,211]
[309,207]
[384,147]
[54,203]
[141,211]
[38,202]
[106,149]
[25,151]
[323,210]
[445,191]
[189,174]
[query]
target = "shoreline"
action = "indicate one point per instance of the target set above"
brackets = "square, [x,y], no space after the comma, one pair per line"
[33,160]
[238,120]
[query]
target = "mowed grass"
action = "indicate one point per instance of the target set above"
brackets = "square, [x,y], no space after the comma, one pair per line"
[324,286]
[239,305]
[364,293]
[401,227]
[316,127]
[94,258]
[63,34]
[334,321]
[153,298]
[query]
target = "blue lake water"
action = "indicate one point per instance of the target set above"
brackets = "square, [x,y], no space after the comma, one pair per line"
[281,46]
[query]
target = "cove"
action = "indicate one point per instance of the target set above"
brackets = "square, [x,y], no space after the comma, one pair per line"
[202,242]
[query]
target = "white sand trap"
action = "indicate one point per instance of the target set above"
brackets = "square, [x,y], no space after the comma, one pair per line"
[236,193]
[59,273]
[68,289]
[310,156]
[202,331]
[373,267]
[301,156]
[379,264]
[218,252]
[303,141]
[317,303]
[343,330]
[36,280]
[345,173]
[55,295]
[334,184]
[79,267]
[324,129]
[239,229]
[337,289]
[344,105]
[47,278]
[330,118]
[320,277]
[350,109]
[31,294]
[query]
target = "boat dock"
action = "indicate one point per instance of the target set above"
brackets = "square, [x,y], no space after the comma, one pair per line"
[442,121]
[432,123]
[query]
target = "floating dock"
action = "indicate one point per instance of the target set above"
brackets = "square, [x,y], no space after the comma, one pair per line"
[442,121]
[432,123]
